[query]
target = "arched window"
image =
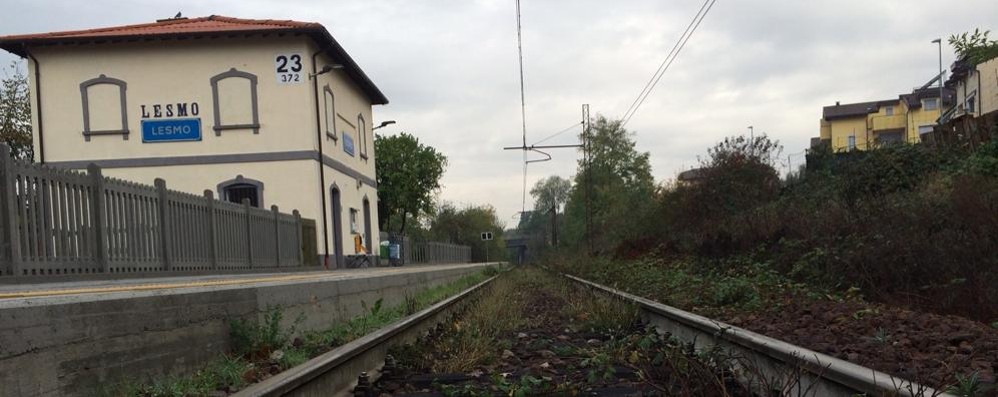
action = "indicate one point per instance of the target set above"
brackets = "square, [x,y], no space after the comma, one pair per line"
[329,106]
[234,97]
[235,190]
[104,107]
[362,135]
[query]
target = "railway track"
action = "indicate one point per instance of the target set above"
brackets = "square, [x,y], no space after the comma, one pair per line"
[765,365]
[767,360]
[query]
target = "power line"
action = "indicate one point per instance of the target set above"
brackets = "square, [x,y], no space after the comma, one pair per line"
[523,104]
[681,44]
[519,47]
[571,127]
[659,70]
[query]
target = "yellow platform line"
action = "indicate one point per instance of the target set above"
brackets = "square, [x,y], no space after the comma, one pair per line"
[164,286]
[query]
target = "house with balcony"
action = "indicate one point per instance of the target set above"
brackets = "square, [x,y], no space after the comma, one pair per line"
[865,125]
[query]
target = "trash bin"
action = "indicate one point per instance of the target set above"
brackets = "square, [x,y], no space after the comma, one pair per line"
[383,250]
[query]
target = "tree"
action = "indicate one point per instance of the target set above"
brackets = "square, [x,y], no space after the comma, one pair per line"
[15,114]
[465,225]
[550,192]
[738,174]
[408,176]
[621,192]
[975,47]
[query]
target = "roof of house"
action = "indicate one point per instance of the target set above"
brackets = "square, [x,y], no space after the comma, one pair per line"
[914,99]
[691,175]
[839,111]
[203,27]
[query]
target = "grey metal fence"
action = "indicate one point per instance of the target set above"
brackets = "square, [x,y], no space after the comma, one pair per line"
[434,252]
[56,221]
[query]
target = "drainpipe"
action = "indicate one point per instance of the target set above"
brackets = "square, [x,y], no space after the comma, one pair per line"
[322,167]
[980,94]
[38,105]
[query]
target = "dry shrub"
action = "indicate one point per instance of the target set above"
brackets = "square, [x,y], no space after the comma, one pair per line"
[905,224]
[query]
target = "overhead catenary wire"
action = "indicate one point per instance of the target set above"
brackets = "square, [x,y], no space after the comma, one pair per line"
[552,136]
[664,61]
[523,104]
[677,48]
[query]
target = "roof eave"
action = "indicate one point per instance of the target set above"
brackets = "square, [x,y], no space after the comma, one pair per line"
[321,36]
[337,52]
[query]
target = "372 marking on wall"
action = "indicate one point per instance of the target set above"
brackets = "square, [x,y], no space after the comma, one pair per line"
[288,68]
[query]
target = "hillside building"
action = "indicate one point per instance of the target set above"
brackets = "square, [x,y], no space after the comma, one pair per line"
[864,125]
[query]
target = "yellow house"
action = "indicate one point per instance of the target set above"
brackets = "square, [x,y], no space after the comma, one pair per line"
[865,125]
[271,111]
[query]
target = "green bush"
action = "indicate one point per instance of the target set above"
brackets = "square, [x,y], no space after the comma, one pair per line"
[900,223]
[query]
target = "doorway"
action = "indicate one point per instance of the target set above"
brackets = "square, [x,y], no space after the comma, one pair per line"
[337,223]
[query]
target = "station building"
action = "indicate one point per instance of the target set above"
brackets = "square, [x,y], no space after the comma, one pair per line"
[273,111]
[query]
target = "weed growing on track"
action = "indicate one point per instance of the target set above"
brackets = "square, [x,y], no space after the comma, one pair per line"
[744,287]
[266,348]
[532,333]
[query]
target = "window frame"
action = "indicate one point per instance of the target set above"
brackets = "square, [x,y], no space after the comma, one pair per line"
[233,73]
[222,188]
[331,113]
[362,135]
[889,110]
[354,216]
[122,101]
[934,101]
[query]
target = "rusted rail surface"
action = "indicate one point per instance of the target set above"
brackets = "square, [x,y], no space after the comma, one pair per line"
[765,362]
[336,372]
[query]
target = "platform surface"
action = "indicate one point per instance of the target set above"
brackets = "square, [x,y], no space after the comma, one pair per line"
[17,294]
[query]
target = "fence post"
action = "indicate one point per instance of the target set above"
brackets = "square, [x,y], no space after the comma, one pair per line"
[97,211]
[9,209]
[249,231]
[209,197]
[301,245]
[165,239]
[277,235]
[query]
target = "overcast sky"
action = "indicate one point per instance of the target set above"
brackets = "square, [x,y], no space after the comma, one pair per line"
[449,68]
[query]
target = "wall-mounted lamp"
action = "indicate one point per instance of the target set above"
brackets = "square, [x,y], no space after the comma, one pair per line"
[383,124]
[326,69]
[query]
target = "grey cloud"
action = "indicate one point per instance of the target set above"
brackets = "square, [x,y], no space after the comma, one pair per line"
[449,68]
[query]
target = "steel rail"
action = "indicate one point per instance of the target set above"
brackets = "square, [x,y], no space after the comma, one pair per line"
[335,372]
[821,375]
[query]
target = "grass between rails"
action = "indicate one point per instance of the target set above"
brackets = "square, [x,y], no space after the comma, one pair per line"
[744,286]
[261,350]
[533,333]
[945,352]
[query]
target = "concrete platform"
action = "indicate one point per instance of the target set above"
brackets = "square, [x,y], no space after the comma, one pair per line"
[68,338]
[12,295]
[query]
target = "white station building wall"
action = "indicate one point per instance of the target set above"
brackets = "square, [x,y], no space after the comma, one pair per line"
[161,78]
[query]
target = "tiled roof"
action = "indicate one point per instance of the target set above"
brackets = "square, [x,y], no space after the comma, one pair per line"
[914,100]
[692,175]
[211,26]
[854,109]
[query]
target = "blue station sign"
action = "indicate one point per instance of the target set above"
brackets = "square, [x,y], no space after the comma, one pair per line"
[171,130]
[347,143]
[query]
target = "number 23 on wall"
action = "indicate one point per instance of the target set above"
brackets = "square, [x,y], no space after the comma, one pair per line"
[288,68]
